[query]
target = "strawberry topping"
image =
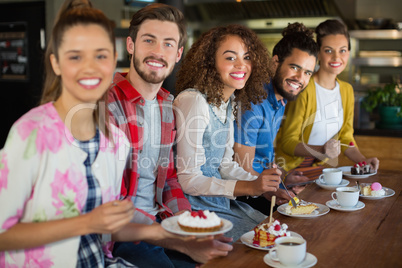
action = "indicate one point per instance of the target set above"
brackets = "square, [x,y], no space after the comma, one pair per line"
[194,214]
[201,214]
[277,227]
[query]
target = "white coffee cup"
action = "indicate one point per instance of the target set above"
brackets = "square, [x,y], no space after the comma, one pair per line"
[346,196]
[331,176]
[290,251]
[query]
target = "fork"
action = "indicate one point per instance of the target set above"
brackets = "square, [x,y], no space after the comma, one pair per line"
[291,198]
[274,165]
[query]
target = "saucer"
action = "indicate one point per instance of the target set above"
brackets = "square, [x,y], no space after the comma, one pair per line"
[334,205]
[332,186]
[309,261]
[346,173]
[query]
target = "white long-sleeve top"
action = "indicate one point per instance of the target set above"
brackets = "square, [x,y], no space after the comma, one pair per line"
[192,118]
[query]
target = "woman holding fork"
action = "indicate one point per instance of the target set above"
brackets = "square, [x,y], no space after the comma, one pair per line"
[225,67]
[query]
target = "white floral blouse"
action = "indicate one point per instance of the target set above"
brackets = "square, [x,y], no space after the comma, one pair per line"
[42,178]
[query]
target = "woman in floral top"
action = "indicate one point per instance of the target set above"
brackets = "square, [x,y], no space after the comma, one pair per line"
[62,164]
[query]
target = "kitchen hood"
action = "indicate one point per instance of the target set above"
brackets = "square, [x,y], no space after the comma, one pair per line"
[261,16]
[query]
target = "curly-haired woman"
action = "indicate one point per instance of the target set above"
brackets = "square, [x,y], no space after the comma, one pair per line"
[223,71]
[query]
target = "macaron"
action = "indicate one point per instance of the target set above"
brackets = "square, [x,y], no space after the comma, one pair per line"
[376,186]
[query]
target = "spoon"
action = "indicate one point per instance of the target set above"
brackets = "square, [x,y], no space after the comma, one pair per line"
[358,185]
[351,144]
[273,200]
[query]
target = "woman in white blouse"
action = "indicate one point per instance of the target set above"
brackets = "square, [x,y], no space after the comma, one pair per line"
[226,65]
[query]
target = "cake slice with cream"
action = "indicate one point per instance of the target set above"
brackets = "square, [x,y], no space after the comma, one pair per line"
[302,208]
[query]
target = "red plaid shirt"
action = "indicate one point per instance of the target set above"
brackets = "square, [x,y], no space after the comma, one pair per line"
[125,103]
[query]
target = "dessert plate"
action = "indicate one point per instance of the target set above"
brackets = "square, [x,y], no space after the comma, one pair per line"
[322,210]
[331,186]
[335,205]
[309,261]
[388,192]
[346,173]
[171,225]
[247,239]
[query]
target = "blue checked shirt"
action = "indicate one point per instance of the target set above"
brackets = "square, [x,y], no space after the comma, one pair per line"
[90,252]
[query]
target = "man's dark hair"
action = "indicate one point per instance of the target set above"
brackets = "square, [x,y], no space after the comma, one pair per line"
[296,35]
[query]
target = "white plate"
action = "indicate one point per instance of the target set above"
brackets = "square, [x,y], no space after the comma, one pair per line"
[335,205]
[247,239]
[346,173]
[171,225]
[332,186]
[388,192]
[309,261]
[322,210]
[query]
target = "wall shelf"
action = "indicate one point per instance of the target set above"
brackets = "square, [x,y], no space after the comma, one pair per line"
[375,68]
[376,34]
[378,61]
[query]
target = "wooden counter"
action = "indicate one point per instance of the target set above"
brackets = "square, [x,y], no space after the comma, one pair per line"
[387,149]
[371,237]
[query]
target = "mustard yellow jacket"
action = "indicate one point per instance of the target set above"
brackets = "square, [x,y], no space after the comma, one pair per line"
[299,119]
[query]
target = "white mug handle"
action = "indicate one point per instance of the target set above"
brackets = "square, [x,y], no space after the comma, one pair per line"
[273,256]
[320,178]
[332,195]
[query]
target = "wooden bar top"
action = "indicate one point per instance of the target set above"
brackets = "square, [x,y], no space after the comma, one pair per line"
[370,237]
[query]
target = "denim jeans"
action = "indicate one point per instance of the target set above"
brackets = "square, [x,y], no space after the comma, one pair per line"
[147,255]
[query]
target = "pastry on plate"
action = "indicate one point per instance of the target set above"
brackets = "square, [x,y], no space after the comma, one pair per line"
[265,234]
[374,189]
[360,168]
[199,221]
[302,207]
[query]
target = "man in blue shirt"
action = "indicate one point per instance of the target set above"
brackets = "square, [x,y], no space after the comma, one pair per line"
[293,63]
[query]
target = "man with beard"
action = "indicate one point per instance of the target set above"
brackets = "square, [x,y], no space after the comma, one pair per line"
[143,110]
[293,63]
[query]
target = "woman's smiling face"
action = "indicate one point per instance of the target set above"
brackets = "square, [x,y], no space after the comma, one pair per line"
[86,63]
[334,54]
[233,63]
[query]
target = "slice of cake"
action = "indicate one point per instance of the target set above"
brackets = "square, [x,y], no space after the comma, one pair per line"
[360,168]
[302,208]
[199,221]
[375,189]
[265,234]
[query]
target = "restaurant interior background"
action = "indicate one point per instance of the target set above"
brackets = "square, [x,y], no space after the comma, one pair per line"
[376,56]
